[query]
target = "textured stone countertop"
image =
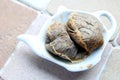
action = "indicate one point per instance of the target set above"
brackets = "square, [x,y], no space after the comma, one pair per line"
[14,20]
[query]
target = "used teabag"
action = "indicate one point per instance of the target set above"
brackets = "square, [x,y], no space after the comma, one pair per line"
[60,43]
[85,30]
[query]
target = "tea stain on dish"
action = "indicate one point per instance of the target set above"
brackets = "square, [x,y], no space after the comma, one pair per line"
[81,67]
[89,66]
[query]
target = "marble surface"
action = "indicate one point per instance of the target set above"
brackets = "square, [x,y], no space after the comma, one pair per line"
[14,20]
[36,4]
[112,70]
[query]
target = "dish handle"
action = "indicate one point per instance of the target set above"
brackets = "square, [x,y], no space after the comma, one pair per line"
[111,19]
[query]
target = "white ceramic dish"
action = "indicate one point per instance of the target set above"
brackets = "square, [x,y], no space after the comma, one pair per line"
[37,43]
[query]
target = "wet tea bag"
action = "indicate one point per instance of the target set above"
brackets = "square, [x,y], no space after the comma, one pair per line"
[60,43]
[85,30]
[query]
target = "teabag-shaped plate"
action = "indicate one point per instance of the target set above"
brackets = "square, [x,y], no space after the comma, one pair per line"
[62,17]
